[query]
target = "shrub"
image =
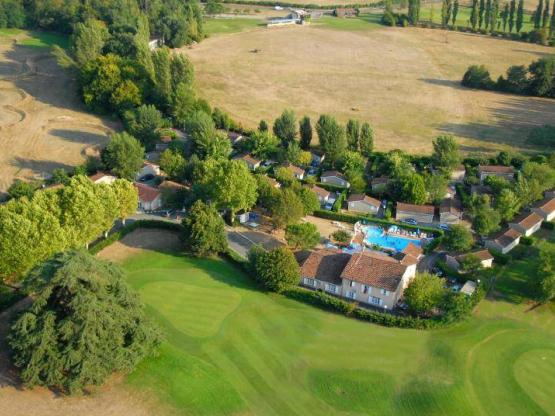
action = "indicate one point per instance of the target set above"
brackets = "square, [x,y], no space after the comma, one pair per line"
[526,241]
[477,76]
[277,270]
[389,19]
[548,225]
[341,236]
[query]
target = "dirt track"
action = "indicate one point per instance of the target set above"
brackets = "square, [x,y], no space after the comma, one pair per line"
[43,124]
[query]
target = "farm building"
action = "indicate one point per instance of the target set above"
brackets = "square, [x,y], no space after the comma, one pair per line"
[507,172]
[454,260]
[150,198]
[101,177]
[333,177]
[419,213]
[545,208]
[450,211]
[273,182]
[504,241]
[527,223]
[363,203]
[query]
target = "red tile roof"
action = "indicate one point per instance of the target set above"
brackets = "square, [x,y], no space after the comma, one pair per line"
[146,193]
[413,250]
[331,173]
[496,169]
[528,220]
[320,191]
[375,270]
[452,206]
[547,205]
[421,209]
[98,175]
[325,265]
[505,238]
[295,169]
[364,198]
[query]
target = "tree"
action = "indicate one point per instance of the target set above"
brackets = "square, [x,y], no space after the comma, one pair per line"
[286,209]
[455,12]
[538,15]
[470,263]
[173,163]
[409,188]
[446,154]
[424,293]
[202,130]
[123,155]
[214,7]
[127,197]
[459,238]
[517,80]
[545,16]
[552,22]
[342,236]
[353,134]
[305,129]
[445,12]
[544,281]
[309,199]
[85,324]
[87,40]
[474,14]
[542,77]
[285,127]
[477,76]
[519,15]
[263,126]
[143,124]
[436,186]
[277,270]
[332,138]
[366,140]
[413,12]
[19,189]
[262,144]
[507,204]
[204,231]
[485,219]
[481,10]
[512,10]
[222,120]
[302,236]
[487,15]
[494,15]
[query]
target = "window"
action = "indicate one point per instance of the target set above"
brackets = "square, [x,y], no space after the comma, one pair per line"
[366,289]
[351,294]
[353,283]
[309,282]
[374,300]
[331,288]
[385,292]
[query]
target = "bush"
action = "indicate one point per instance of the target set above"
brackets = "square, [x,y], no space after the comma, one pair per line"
[389,19]
[526,241]
[548,225]
[477,76]
[499,257]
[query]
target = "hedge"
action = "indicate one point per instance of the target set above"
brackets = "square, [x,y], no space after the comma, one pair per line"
[548,225]
[303,5]
[338,216]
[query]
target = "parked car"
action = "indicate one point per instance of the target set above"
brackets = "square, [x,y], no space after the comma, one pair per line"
[444,227]
[146,178]
[410,221]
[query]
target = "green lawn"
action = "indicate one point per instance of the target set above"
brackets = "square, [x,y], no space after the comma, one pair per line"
[231,349]
[234,25]
[35,39]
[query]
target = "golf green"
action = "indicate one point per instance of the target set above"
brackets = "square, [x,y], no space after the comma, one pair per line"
[231,349]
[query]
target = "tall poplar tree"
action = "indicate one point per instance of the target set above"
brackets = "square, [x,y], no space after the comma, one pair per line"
[474,14]
[545,17]
[494,15]
[455,12]
[505,16]
[487,17]
[552,24]
[481,11]
[519,16]
[512,9]
[538,15]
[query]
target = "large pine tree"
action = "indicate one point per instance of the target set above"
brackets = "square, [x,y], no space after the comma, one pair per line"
[84,324]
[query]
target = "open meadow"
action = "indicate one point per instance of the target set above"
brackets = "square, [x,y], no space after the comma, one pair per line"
[43,124]
[404,81]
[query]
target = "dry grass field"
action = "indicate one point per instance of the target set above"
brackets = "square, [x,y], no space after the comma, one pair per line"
[43,125]
[405,82]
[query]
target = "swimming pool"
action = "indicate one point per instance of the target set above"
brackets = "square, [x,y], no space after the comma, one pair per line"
[375,235]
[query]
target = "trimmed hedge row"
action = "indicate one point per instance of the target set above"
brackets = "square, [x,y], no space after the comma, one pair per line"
[304,6]
[338,216]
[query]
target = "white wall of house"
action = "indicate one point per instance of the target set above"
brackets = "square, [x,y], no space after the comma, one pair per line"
[361,206]
[420,217]
[547,216]
[492,244]
[320,285]
[334,180]
[153,170]
[153,205]
[524,231]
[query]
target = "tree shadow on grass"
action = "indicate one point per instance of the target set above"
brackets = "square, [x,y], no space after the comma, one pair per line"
[39,167]
[81,137]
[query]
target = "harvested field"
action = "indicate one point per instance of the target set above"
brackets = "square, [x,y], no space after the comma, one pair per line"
[405,82]
[43,125]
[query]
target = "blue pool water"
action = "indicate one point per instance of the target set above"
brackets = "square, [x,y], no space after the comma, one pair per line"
[375,235]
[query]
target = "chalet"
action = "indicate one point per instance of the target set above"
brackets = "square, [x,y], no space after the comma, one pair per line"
[363,203]
[251,161]
[458,173]
[545,208]
[150,198]
[234,137]
[273,182]
[450,211]
[297,172]
[336,178]
[324,195]
[317,157]
[507,172]
[454,260]
[376,279]
[379,184]
[345,12]
[322,270]
[419,213]
[101,177]
[527,223]
[504,241]
[149,168]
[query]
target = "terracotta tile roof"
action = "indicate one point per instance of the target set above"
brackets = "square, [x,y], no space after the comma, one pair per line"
[421,209]
[482,254]
[364,198]
[172,186]
[98,175]
[452,206]
[405,259]
[496,169]
[375,270]
[295,169]
[249,159]
[320,191]
[547,205]
[504,238]
[146,193]
[413,250]
[325,265]
[527,220]
[273,182]
[331,173]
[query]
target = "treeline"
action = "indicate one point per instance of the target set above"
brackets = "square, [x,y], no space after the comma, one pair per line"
[55,220]
[176,22]
[538,79]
